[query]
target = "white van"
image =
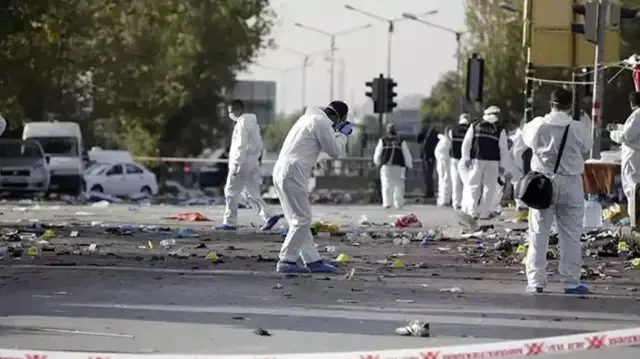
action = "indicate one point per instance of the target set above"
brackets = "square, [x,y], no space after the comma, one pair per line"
[62,143]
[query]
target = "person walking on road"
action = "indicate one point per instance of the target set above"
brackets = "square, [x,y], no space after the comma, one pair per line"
[428,139]
[456,136]
[243,178]
[443,168]
[545,135]
[317,130]
[393,156]
[628,136]
[485,154]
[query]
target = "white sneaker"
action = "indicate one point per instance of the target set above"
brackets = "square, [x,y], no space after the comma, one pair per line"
[415,328]
[467,221]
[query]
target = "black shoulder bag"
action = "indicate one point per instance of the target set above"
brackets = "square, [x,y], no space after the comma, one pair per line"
[536,189]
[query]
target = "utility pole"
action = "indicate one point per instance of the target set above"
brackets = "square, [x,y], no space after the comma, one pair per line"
[333,66]
[598,84]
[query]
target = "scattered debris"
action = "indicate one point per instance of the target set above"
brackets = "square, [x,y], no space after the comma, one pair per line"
[190,217]
[415,328]
[262,332]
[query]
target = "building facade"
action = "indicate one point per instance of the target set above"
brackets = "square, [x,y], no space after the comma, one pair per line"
[259,97]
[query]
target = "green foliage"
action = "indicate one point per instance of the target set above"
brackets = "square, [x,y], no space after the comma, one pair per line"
[156,70]
[496,35]
[276,131]
[440,105]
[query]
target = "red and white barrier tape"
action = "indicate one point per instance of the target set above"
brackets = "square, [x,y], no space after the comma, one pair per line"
[508,349]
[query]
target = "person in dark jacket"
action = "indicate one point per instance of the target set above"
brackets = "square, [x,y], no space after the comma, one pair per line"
[393,156]
[428,140]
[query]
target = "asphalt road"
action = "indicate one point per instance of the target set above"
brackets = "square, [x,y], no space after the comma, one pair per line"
[126,292]
[148,311]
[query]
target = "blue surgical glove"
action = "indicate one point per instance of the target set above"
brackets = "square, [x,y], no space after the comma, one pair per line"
[345,128]
[468,163]
[500,171]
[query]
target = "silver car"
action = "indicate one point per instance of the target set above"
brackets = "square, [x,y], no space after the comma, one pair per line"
[23,167]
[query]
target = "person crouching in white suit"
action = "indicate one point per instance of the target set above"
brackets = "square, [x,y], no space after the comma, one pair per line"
[393,156]
[456,136]
[628,136]
[485,152]
[317,130]
[544,136]
[443,168]
[244,176]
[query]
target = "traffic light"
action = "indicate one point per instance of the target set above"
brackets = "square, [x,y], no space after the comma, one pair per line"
[619,13]
[590,26]
[390,94]
[377,93]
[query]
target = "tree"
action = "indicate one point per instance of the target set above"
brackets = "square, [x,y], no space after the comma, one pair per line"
[439,107]
[497,37]
[277,130]
[154,71]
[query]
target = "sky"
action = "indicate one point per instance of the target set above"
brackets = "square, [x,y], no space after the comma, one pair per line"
[419,53]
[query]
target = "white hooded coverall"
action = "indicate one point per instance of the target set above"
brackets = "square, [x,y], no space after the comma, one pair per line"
[483,175]
[543,135]
[443,168]
[456,180]
[244,169]
[628,136]
[312,133]
[3,125]
[392,177]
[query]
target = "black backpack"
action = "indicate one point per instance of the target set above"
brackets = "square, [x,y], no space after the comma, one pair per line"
[536,189]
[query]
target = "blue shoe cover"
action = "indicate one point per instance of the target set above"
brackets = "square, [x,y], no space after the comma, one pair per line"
[580,289]
[291,267]
[225,227]
[270,222]
[321,267]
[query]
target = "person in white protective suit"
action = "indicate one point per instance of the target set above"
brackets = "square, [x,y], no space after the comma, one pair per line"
[244,176]
[485,154]
[3,125]
[544,135]
[628,136]
[393,156]
[316,130]
[521,155]
[443,169]
[456,136]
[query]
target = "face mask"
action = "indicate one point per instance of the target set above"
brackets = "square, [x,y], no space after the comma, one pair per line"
[233,116]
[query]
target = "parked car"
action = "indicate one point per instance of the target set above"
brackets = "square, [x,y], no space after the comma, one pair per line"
[23,167]
[121,179]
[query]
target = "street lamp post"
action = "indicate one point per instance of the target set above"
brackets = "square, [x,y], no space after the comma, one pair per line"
[458,34]
[283,73]
[390,28]
[306,57]
[332,47]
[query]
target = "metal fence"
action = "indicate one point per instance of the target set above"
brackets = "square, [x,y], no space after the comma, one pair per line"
[345,173]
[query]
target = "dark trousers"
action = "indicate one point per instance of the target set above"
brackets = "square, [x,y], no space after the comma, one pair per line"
[428,166]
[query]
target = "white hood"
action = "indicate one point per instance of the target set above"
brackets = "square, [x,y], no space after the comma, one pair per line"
[316,111]
[491,114]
